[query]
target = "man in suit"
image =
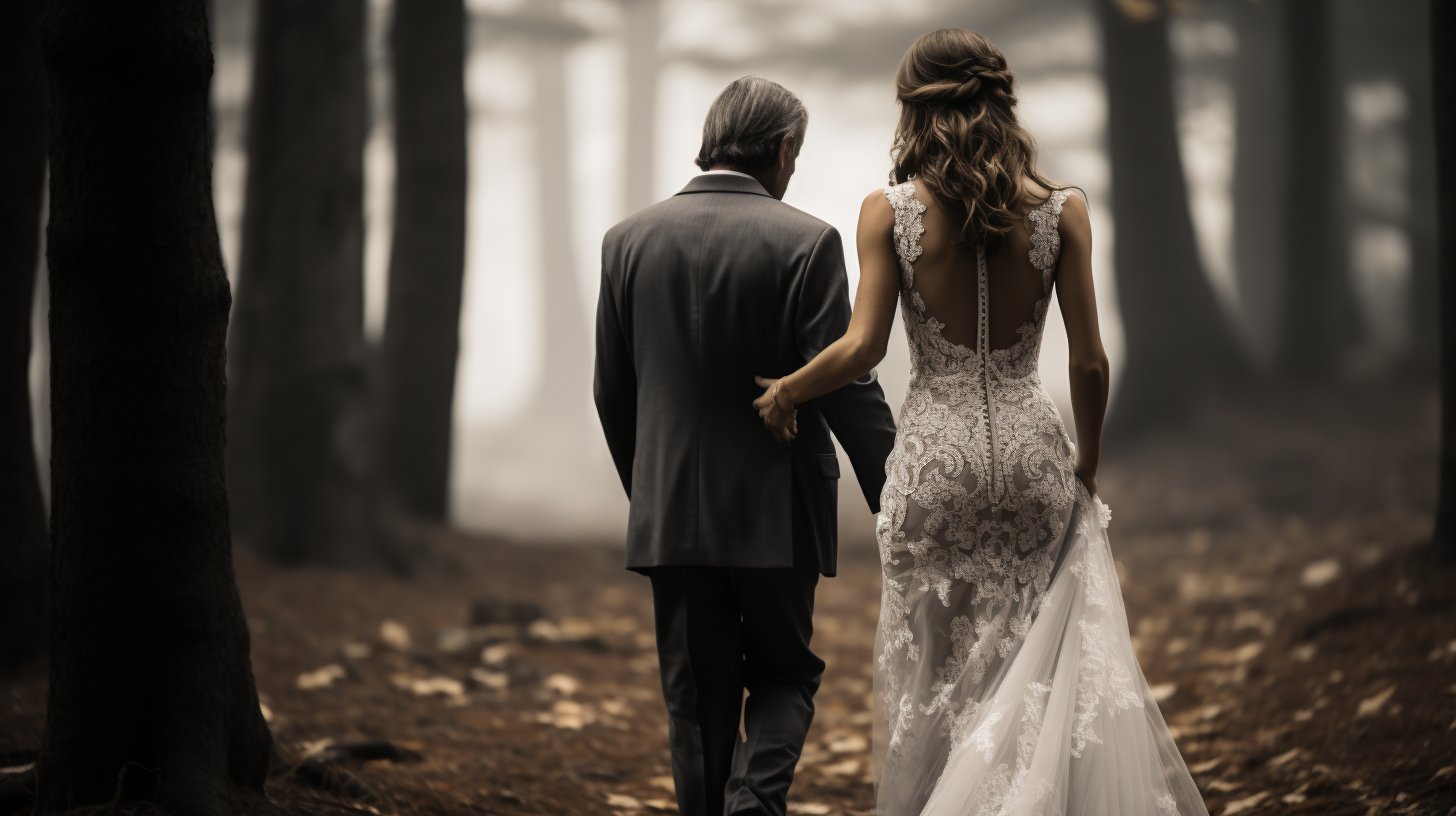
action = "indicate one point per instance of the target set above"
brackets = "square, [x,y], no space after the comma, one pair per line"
[700,293]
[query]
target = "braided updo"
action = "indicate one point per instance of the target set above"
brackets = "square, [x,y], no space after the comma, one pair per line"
[958,133]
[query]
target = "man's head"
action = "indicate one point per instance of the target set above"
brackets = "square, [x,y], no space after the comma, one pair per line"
[755,126]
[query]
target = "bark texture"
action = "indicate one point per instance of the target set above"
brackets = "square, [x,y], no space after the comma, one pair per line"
[1443,87]
[151,689]
[298,463]
[23,575]
[1177,335]
[427,262]
[1320,322]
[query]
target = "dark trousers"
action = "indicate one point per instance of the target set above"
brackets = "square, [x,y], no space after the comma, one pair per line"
[721,630]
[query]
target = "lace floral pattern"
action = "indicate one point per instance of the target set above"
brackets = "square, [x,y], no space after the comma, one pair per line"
[979,512]
[963,515]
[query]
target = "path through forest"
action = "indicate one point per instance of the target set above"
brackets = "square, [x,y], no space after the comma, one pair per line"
[1304,655]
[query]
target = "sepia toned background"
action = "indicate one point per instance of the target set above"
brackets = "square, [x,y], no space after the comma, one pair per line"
[409,200]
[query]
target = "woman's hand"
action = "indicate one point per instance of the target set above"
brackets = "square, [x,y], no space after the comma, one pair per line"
[781,421]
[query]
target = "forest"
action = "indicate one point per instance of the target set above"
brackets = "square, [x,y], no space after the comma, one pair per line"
[304,508]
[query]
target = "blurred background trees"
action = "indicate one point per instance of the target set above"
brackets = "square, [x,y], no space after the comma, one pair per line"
[23,573]
[409,262]
[427,262]
[298,458]
[1179,344]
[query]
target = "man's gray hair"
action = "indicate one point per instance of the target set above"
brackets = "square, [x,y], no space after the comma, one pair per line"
[747,122]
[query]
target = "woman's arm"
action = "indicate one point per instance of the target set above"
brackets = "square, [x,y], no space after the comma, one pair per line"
[864,342]
[1087,367]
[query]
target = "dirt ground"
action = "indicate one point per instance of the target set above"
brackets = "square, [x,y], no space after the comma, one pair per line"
[1270,557]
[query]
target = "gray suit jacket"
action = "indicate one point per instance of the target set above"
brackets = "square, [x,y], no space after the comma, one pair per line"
[699,293]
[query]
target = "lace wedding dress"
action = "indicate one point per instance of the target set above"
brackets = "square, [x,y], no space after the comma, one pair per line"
[1005,679]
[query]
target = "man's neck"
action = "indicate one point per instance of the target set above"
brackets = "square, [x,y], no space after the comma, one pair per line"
[762,177]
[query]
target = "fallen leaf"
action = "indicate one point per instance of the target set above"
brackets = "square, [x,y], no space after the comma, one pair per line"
[318,746]
[1292,753]
[563,684]
[1372,704]
[1304,652]
[497,654]
[852,744]
[1246,803]
[357,651]
[1163,691]
[1319,573]
[323,677]
[1205,767]
[809,808]
[664,782]
[544,630]
[660,804]
[1223,785]
[394,635]
[18,769]
[1304,715]
[848,767]
[620,800]
[266,712]
[490,679]
[1444,772]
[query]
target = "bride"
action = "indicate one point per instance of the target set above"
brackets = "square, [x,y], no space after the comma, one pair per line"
[1005,678]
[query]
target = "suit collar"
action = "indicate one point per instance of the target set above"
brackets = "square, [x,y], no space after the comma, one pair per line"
[723,183]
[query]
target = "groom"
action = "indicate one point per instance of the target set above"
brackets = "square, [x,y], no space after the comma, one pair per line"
[700,293]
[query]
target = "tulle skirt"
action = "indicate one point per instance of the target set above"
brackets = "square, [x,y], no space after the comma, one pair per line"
[1054,719]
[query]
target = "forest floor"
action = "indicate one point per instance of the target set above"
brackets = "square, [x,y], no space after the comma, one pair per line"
[1270,556]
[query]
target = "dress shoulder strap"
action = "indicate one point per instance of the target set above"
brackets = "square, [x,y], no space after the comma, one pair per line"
[1046,241]
[908,227]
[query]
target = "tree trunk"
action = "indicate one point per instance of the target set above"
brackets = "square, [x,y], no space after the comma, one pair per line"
[427,264]
[1415,74]
[22,183]
[1443,104]
[151,690]
[642,26]
[561,403]
[1176,333]
[1320,320]
[299,459]
[1258,184]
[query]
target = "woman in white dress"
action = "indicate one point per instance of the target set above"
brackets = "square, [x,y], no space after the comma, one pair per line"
[1005,678]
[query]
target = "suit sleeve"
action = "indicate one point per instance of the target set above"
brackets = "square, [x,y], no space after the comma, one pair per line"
[857,414]
[614,385]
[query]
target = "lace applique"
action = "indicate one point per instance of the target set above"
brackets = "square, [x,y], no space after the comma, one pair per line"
[1046,240]
[941,537]
[1167,804]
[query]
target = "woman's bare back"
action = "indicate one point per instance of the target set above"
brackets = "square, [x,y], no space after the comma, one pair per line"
[945,274]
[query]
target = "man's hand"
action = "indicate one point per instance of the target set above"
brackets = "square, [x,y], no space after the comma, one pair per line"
[781,422]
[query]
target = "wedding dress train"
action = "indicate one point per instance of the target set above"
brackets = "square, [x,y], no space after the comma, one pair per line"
[1005,678]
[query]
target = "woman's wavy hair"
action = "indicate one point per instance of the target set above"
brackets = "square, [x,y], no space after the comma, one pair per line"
[959,135]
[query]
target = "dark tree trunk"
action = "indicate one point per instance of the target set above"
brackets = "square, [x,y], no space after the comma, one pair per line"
[1443,87]
[151,689]
[1258,184]
[299,460]
[427,264]
[1177,335]
[22,182]
[1320,322]
[1410,50]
